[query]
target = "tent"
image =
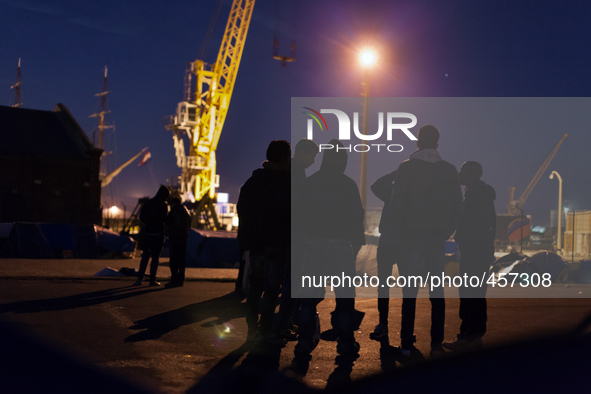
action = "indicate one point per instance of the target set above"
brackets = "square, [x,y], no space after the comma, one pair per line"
[542,262]
[212,249]
[50,240]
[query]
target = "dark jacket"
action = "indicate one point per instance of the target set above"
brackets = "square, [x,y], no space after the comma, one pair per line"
[331,206]
[426,197]
[298,175]
[477,228]
[178,222]
[154,211]
[382,188]
[264,209]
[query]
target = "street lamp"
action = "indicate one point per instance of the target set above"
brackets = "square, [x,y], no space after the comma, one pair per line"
[114,211]
[367,58]
[559,235]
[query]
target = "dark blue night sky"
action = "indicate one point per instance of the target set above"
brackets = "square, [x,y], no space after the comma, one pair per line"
[428,49]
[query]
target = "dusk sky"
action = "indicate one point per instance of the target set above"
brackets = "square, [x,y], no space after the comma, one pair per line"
[427,49]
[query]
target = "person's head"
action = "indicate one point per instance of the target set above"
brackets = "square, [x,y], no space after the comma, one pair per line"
[428,137]
[334,161]
[162,193]
[305,152]
[174,201]
[470,172]
[279,152]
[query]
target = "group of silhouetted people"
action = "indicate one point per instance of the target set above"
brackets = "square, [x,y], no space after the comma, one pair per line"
[156,222]
[320,218]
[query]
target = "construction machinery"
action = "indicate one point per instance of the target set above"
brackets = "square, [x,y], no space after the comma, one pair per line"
[516,205]
[200,118]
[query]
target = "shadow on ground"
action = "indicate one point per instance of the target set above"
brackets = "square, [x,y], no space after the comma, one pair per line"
[77,300]
[224,308]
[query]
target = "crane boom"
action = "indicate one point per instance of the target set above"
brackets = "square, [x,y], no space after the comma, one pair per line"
[514,205]
[202,117]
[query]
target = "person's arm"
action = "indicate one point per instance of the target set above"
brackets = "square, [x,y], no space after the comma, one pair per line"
[358,213]
[398,199]
[493,220]
[457,203]
[382,188]
[242,208]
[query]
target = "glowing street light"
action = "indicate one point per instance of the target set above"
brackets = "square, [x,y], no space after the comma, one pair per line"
[114,210]
[559,235]
[368,57]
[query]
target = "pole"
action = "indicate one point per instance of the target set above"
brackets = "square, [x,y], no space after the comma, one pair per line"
[521,240]
[559,241]
[363,170]
[559,232]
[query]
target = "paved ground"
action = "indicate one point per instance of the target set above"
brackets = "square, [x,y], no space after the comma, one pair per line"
[174,340]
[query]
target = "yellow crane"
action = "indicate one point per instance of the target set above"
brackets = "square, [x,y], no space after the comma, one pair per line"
[515,205]
[201,117]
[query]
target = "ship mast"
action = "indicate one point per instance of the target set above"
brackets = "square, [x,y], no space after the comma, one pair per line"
[17,87]
[102,126]
[103,111]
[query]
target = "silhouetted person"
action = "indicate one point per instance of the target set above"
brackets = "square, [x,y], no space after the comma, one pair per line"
[152,215]
[330,216]
[264,211]
[303,157]
[386,253]
[178,223]
[426,207]
[476,239]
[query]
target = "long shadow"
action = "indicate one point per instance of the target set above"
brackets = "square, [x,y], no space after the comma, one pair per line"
[75,301]
[258,373]
[224,308]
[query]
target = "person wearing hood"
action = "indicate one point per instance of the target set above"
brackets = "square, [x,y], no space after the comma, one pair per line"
[264,211]
[152,215]
[178,224]
[476,239]
[425,211]
[329,216]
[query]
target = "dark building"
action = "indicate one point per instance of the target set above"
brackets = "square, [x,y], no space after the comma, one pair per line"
[49,169]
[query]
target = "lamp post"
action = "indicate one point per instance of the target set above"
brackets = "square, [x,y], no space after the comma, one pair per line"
[559,234]
[367,59]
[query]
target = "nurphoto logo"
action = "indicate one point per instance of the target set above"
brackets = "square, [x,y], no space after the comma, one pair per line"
[395,122]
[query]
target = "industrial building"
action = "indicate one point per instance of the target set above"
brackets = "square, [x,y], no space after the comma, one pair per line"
[49,169]
[578,222]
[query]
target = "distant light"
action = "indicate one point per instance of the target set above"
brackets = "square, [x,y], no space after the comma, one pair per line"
[368,57]
[114,210]
[235,221]
[190,197]
[223,198]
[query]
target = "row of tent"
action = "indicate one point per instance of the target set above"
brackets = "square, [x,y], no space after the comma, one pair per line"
[49,240]
[86,241]
[210,249]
